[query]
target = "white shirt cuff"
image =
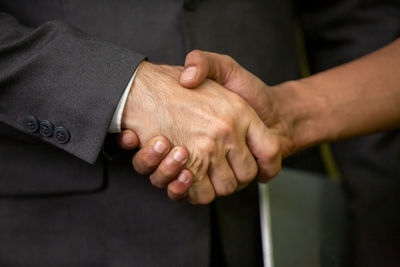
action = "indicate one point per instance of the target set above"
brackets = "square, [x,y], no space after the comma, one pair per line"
[115,125]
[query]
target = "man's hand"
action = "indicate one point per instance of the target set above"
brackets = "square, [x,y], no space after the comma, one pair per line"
[325,107]
[356,98]
[200,65]
[217,127]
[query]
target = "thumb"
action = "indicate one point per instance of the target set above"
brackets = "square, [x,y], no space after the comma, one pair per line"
[127,140]
[200,65]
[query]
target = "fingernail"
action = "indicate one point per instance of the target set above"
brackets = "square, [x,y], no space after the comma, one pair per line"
[160,147]
[183,178]
[178,156]
[189,73]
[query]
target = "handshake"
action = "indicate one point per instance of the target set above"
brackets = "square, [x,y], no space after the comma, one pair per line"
[231,127]
[209,141]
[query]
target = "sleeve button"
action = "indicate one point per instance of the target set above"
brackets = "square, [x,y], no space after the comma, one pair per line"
[46,128]
[62,135]
[31,124]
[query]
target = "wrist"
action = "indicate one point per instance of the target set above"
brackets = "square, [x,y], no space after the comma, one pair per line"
[138,103]
[299,112]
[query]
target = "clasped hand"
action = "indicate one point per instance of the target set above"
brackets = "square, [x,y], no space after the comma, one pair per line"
[219,142]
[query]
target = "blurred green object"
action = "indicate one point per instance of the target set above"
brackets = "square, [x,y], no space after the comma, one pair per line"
[306,220]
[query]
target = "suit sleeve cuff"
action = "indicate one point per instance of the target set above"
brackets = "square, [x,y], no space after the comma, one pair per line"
[115,125]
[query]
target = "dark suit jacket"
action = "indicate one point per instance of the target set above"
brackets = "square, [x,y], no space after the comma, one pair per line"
[68,62]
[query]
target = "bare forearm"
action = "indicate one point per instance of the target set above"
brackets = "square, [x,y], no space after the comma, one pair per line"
[357,98]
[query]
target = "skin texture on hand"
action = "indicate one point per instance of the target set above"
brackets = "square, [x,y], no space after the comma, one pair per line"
[359,97]
[216,126]
[200,65]
[356,98]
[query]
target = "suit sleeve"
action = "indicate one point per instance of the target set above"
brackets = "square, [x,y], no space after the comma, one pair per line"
[66,80]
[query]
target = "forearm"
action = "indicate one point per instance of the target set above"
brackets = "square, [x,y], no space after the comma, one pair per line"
[357,98]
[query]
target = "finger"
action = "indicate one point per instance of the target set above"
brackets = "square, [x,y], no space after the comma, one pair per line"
[201,191]
[264,145]
[150,156]
[170,167]
[200,65]
[195,71]
[243,164]
[222,178]
[127,139]
[178,188]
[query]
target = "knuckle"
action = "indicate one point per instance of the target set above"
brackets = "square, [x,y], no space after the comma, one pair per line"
[165,172]
[227,188]
[250,174]
[230,61]
[205,197]
[225,127]
[273,149]
[196,56]
[198,165]
[147,160]
[241,105]
[210,198]
[205,200]
[156,182]
[206,146]
[195,52]
[227,58]
[174,192]
[139,168]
